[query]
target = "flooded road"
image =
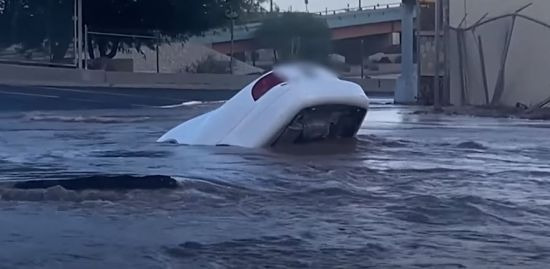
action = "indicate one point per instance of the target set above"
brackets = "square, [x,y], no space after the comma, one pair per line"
[414,191]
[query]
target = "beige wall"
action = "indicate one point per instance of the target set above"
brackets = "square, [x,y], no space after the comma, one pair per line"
[475,9]
[526,78]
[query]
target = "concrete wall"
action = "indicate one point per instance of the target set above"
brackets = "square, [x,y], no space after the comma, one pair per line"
[373,86]
[524,72]
[175,57]
[351,48]
[33,74]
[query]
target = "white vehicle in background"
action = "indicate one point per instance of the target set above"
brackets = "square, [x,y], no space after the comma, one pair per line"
[296,103]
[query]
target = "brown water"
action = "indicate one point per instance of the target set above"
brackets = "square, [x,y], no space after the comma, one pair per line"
[414,191]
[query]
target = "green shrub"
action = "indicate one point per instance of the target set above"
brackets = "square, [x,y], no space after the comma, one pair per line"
[209,65]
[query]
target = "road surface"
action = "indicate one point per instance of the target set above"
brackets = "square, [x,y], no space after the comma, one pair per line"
[22,98]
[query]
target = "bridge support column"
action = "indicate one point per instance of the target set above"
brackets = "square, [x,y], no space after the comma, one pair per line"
[407,85]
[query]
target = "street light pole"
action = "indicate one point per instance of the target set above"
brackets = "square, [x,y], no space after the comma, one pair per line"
[362,58]
[75,32]
[232,15]
[232,45]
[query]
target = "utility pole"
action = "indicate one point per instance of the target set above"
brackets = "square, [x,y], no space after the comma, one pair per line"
[445,14]
[271,6]
[80,35]
[437,71]
[157,50]
[86,46]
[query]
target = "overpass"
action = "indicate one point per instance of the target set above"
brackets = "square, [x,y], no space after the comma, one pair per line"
[346,24]
[374,25]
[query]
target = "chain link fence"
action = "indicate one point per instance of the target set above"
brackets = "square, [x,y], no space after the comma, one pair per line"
[118,52]
[155,53]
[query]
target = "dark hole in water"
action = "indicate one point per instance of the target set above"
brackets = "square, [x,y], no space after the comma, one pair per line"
[102,182]
[322,123]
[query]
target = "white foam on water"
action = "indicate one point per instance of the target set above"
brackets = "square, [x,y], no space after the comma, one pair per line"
[86,119]
[190,103]
[58,193]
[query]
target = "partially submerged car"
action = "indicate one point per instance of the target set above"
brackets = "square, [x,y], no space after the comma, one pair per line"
[296,103]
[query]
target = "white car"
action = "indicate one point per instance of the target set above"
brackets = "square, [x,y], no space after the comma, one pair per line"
[296,103]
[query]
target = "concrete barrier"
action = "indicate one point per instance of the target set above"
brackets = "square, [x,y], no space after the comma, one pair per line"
[30,74]
[47,76]
[184,80]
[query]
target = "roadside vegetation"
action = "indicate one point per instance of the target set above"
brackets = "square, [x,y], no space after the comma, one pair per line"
[47,25]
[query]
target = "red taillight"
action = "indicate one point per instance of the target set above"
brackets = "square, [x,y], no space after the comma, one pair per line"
[265,84]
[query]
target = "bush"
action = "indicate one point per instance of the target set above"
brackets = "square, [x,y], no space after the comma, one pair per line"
[209,65]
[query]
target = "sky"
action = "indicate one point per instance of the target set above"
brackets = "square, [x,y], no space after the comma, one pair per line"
[320,5]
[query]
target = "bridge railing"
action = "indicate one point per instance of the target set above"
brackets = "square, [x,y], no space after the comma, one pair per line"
[249,26]
[356,8]
[261,16]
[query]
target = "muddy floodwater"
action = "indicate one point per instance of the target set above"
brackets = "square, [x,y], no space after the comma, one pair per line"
[413,191]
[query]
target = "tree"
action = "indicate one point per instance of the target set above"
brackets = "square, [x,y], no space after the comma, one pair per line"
[35,22]
[253,6]
[169,18]
[296,36]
